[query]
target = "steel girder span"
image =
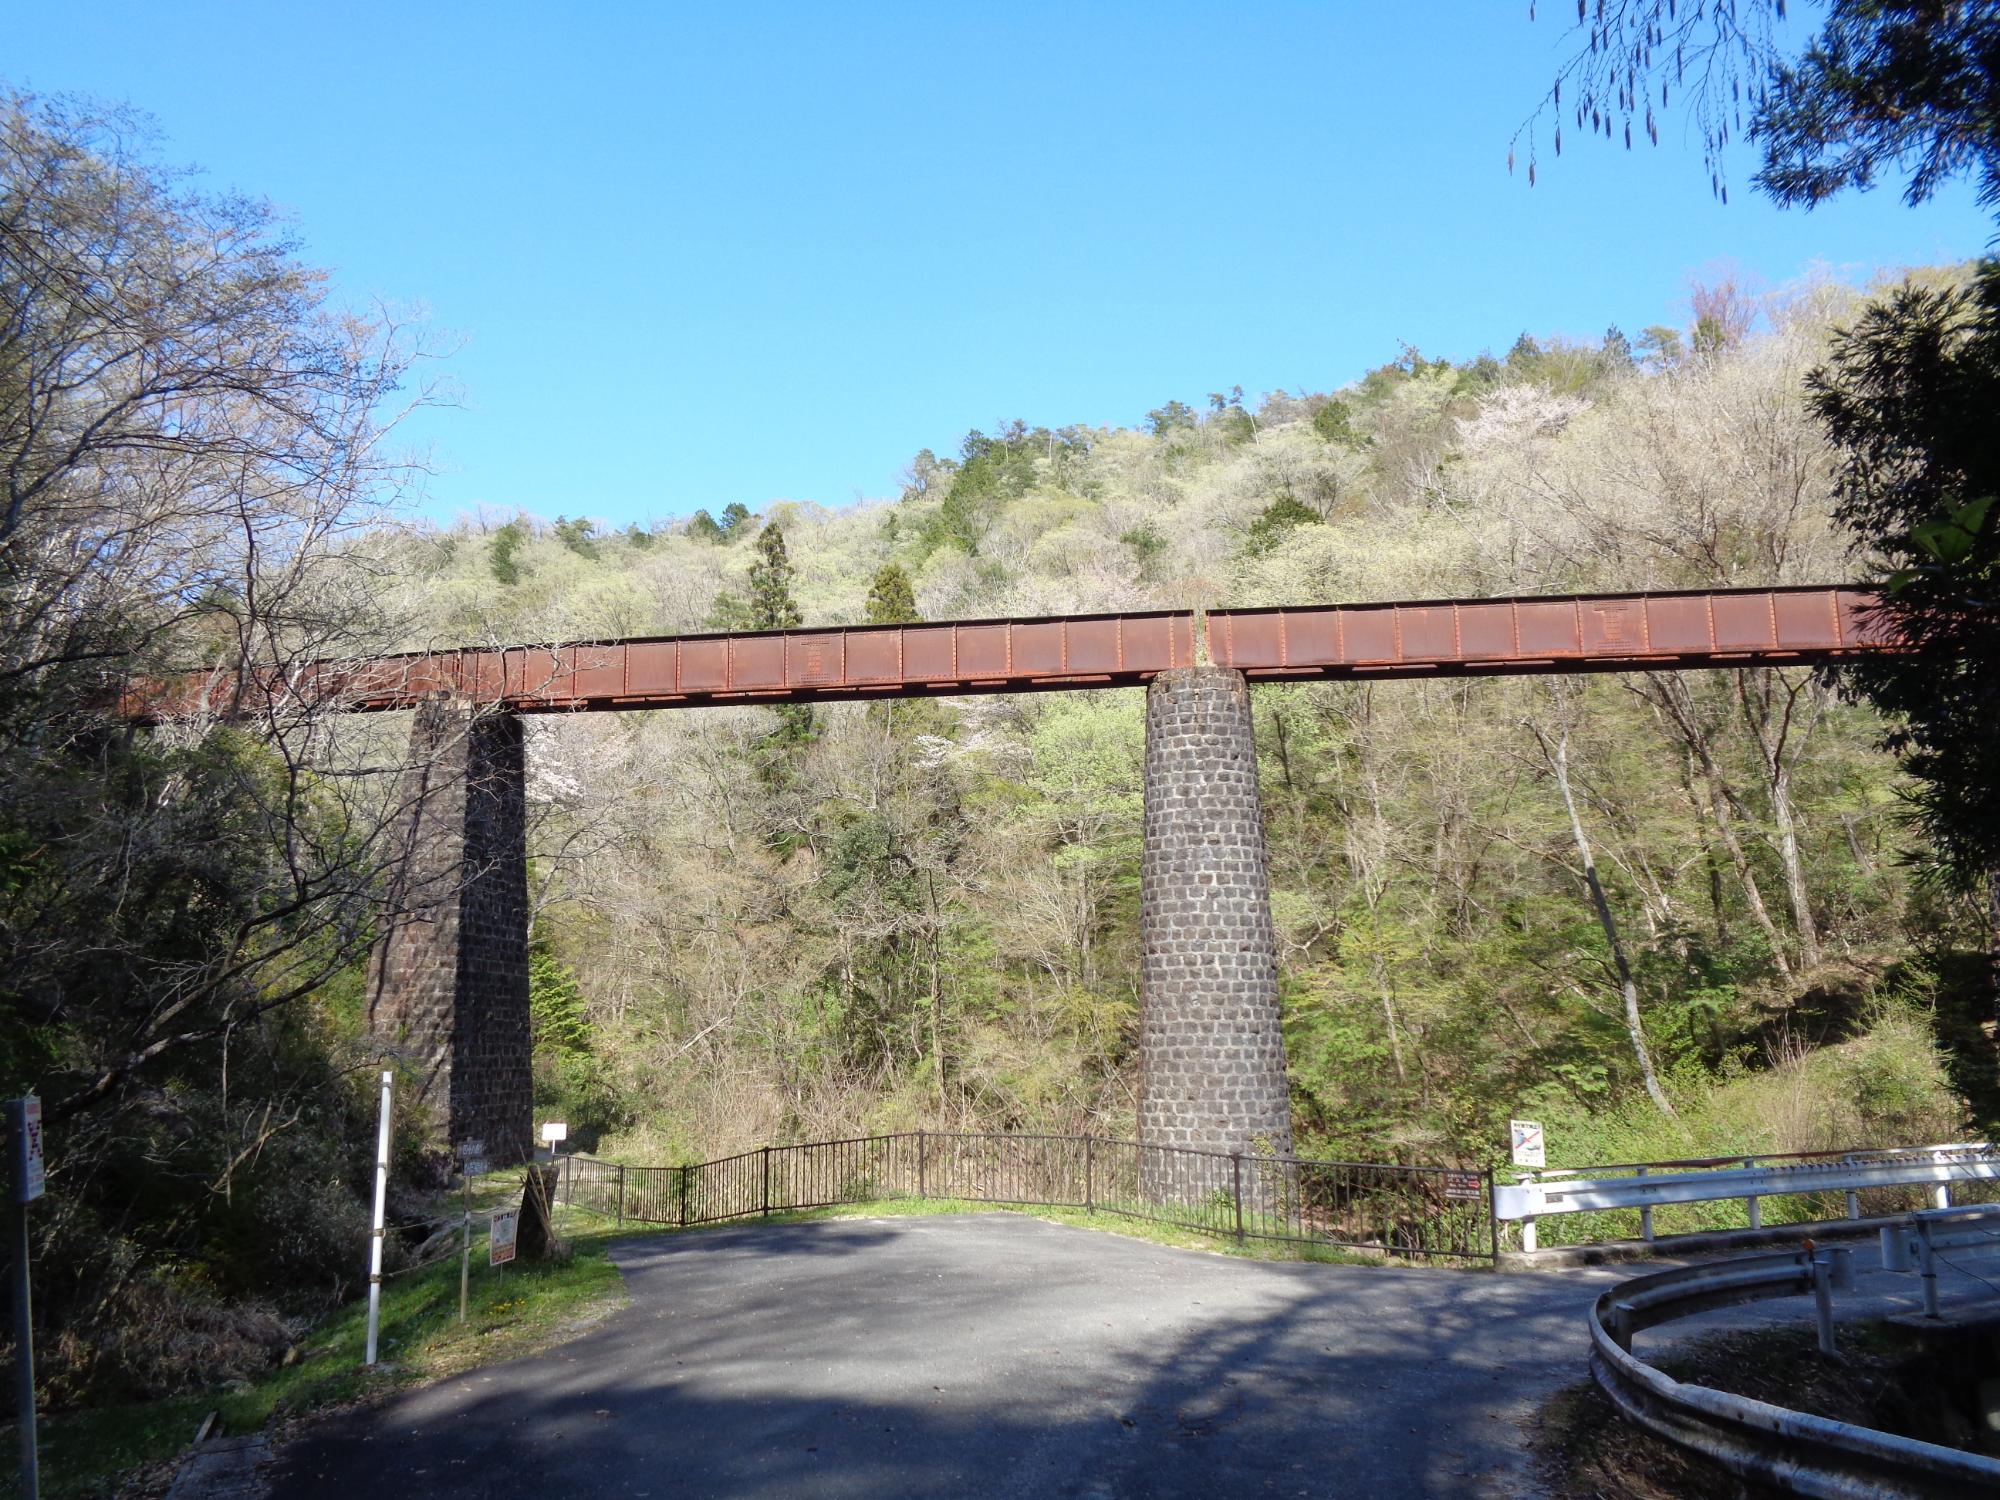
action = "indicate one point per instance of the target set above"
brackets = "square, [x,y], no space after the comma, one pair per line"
[1465,637]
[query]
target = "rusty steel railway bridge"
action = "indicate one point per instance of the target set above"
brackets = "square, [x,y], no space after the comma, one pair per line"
[448,982]
[1638,632]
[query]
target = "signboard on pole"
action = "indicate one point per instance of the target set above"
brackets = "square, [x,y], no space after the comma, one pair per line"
[554,1131]
[1464,1187]
[500,1248]
[1528,1147]
[26,1119]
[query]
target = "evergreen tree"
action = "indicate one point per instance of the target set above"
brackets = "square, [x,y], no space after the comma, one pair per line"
[503,559]
[891,600]
[772,606]
[1909,395]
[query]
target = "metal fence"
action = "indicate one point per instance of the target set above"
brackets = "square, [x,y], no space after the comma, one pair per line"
[1411,1211]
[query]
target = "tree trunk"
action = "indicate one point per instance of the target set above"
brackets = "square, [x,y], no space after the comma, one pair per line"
[1628,987]
[1775,747]
[1682,714]
[535,1238]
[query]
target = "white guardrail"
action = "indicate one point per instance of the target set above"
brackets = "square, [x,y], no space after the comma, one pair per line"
[1791,1450]
[1933,1167]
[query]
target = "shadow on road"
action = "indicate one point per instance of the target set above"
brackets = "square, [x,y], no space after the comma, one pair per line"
[986,1355]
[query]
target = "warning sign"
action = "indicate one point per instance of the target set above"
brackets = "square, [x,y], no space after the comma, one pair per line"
[29,1181]
[1467,1187]
[500,1247]
[1528,1151]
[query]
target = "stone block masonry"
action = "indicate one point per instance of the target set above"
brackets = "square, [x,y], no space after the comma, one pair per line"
[448,982]
[1211,1054]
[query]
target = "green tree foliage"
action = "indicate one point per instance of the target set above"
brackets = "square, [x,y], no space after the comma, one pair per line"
[1174,415]
[993,473]
[1278,518]
[1334,422]
[570,1078]
[1902,84]
[1910,395]
[771,604]
[1913,84]
[891,600]
[704,528]
[578,536]
[504,552]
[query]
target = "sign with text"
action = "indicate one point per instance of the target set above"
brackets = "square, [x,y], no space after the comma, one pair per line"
[1464,1187]
[500,1247]
[24,1121]
[553,1131]
[1528,1148]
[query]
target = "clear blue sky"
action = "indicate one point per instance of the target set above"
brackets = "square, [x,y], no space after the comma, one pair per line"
[699,255]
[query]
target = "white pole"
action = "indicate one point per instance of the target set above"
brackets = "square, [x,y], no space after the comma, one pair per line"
[381,1207]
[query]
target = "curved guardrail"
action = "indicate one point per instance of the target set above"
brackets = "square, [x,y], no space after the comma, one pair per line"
[1797,1452]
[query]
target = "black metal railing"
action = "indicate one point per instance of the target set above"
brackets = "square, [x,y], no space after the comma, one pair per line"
[1421,1212]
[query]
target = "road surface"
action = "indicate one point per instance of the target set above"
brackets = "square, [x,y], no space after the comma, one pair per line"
[991,1355]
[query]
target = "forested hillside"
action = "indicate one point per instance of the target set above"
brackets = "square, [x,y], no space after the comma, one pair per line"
[755,924]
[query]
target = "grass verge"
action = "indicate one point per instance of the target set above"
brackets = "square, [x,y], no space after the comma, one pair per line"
[128,1451]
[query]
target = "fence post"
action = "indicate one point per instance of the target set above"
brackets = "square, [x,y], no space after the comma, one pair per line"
[1756,1204]
[767,1182]
[684,1195]
[1236,1162]
[1529,1242]
[923,1185]
[1090,1174]
[1492,1213]
[1645,1217]
[621,1194]
[1822,1289]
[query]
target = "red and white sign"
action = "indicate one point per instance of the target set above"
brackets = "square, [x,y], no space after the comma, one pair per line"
[500,1246]
[1528,1147]
[29,1180]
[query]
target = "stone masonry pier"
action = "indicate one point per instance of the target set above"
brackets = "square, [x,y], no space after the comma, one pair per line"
[448,982]
[1211,1056]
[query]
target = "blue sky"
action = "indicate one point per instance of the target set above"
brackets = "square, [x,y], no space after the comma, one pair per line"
[697,255]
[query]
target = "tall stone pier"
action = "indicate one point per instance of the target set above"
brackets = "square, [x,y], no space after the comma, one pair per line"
[1211,1056]
[448,981]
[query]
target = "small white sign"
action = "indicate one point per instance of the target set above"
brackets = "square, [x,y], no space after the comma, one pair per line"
[29,1180]
[476,1166]
[471,1148]
[500,1247]
[1528,1147]
[553,1131]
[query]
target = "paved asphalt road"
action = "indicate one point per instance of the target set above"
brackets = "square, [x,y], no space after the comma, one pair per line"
[990,1355]
[986,1354]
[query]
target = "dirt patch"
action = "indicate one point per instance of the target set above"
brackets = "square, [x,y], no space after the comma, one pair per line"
[1919,1383]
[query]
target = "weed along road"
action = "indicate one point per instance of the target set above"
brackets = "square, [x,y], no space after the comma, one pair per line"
[987,1354]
